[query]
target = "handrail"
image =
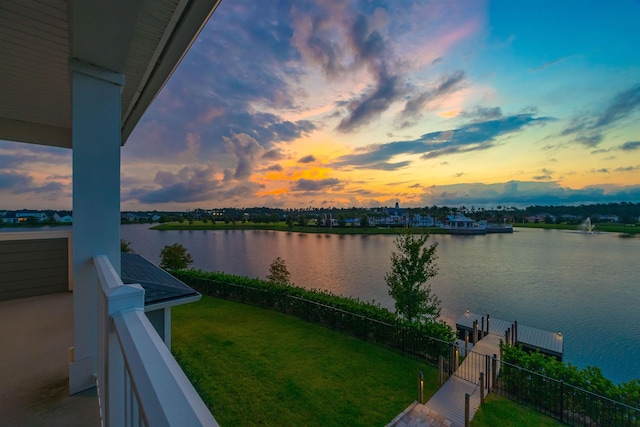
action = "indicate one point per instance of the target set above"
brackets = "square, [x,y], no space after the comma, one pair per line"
[165,395]
[140,382]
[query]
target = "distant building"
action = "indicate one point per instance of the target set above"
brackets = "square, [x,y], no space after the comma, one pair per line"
[422,221]
[23,215]
[460,221]
[66,219]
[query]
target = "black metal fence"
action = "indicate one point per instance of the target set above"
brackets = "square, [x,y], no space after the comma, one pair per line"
[564,402]
[398,338]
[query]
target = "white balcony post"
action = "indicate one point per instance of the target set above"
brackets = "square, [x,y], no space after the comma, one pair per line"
[121,299]
[96,204]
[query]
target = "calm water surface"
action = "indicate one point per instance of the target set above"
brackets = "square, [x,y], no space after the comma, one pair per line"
[585,285]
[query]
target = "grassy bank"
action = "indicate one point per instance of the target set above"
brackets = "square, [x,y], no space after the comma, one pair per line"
[259,367]
[600,227]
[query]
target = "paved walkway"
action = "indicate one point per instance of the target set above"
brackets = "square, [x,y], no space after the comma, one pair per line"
[446,406]
[35,336]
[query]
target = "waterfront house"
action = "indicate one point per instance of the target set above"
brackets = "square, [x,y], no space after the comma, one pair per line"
[79,75]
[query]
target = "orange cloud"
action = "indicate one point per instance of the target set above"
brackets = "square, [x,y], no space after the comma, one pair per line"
[207,116]
[449,113]
[276,192]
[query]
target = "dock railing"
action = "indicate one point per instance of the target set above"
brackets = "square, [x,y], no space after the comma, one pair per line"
[139,382]
[564,402]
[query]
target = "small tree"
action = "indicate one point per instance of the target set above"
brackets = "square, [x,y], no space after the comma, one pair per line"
[175,257]
[411,267]
[278,273]
[125,246]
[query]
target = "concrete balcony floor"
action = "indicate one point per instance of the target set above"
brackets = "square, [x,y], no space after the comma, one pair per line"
[35,335]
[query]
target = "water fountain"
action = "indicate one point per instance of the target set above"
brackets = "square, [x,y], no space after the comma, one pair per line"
[587,226]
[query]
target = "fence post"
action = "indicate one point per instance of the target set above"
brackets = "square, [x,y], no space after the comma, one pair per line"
[420,387]
[481,388]
[456,360]
[487,369]
[561,401]
[494,370]
[466,343]
[482,329]
[467,397]
[474,338]
[450,359]
[488,318]
[440,370]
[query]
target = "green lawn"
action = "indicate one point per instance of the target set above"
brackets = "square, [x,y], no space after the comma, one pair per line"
[259,367]
[498,411]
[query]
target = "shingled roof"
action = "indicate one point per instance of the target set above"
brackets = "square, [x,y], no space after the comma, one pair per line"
[160,287]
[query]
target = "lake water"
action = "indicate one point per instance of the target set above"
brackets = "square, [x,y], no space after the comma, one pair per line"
[585,285]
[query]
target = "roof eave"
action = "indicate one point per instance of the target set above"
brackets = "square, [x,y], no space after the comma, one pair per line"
[183,36]
[172,302]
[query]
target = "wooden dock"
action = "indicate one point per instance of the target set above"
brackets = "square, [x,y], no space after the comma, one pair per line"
[447,406]
[532,339]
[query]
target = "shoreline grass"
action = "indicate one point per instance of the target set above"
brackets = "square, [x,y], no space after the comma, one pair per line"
[258,367]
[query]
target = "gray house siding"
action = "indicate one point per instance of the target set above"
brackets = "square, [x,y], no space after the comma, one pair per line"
[33,267]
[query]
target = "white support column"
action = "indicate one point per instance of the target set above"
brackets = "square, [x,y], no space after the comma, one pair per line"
[96,204]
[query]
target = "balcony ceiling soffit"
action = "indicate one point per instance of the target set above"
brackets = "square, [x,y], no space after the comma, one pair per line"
[130,37]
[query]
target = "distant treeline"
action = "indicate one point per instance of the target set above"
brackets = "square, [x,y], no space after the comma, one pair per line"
[627,213]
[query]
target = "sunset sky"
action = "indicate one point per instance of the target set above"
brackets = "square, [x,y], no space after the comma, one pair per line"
[364,103]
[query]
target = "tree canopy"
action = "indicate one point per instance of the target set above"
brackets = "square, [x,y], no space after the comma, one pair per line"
[411,267]
[175,257]
[278,272]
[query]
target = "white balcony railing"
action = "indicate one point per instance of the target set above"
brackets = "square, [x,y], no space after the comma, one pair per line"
[139,381]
